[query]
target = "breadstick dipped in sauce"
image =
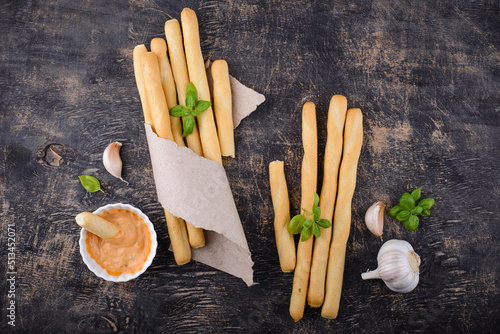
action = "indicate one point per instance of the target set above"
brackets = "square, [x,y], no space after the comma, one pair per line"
[353,140]
[309,175]
[181,79]
[198,76]
[333,154]
[161,120]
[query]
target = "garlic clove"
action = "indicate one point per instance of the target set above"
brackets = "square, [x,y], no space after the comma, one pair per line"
[112,161]
[398,266]
[374,218]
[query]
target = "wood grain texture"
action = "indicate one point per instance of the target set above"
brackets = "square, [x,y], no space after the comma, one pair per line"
[425,74]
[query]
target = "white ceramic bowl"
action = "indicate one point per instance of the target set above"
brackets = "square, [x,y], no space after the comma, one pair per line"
[100,271]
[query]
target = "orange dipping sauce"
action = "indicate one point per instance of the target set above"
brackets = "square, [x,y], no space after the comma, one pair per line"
[126,252]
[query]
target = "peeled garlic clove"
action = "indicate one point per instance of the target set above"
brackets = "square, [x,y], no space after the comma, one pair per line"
[374,218]
[398,266]
[112,161]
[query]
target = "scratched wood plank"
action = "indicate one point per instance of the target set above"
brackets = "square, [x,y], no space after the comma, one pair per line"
[425,75]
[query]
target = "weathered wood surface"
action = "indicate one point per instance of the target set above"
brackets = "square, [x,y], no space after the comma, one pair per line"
[425,73]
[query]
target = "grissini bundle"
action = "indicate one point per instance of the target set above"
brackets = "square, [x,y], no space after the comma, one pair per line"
[159,47]
[353,139]
[198,76]
[333,155]
[309,177]
[179,69]
[139,80]
[181,78]
[161,121]
[281,204]
[223,107]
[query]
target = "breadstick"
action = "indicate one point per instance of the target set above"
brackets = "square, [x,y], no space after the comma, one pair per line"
[178,238]
[179,67]
[281,204]
[159,47]
[181,78]
[223,107]
[156,98]
[139,80]
[333,154]
[198,76]
[97,225]
[161,120]
[308,188]
[353,139]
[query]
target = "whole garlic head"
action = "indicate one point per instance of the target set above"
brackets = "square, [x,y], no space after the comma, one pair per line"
[398,266]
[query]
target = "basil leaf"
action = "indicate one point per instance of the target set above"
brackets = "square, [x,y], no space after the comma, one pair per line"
[406,201]
[403,215]
[394,211]
[308,223]
[202,105]
[416,210]
[316,230]
[188,126]
[425,213]
[416,194]
[316,202]
[186,112]
[317,213]
[191,95]
[426,204]
[324,223]
[177,111]
[295,225]
[412,223]
[195,113]
[90,183]
[306,233]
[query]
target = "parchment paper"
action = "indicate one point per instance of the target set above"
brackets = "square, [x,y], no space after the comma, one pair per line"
[197,190]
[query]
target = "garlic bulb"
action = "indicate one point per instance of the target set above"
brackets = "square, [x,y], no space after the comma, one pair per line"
[112,161]
[374,218]
[398,266]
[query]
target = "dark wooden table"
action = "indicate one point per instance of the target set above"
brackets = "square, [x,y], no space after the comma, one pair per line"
[425,73]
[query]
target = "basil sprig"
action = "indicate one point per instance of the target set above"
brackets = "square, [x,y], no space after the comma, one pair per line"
[191,110]
[408,211]
[311,225]
[90,183]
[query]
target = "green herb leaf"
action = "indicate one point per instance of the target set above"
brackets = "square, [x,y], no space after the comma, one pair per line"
[195,113]
[177,111]
[406,201]
[90,183]
[188,126]
[202,105]
[295,225]
[426,203]
[412,223]
[394,211]
[324,223]
[416,210]
[186,112]
[316,202]
[425,213]
[306,233]
[308,223]
[416,194]
[316,230]
[317,213]
[191,95]
[403,215]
